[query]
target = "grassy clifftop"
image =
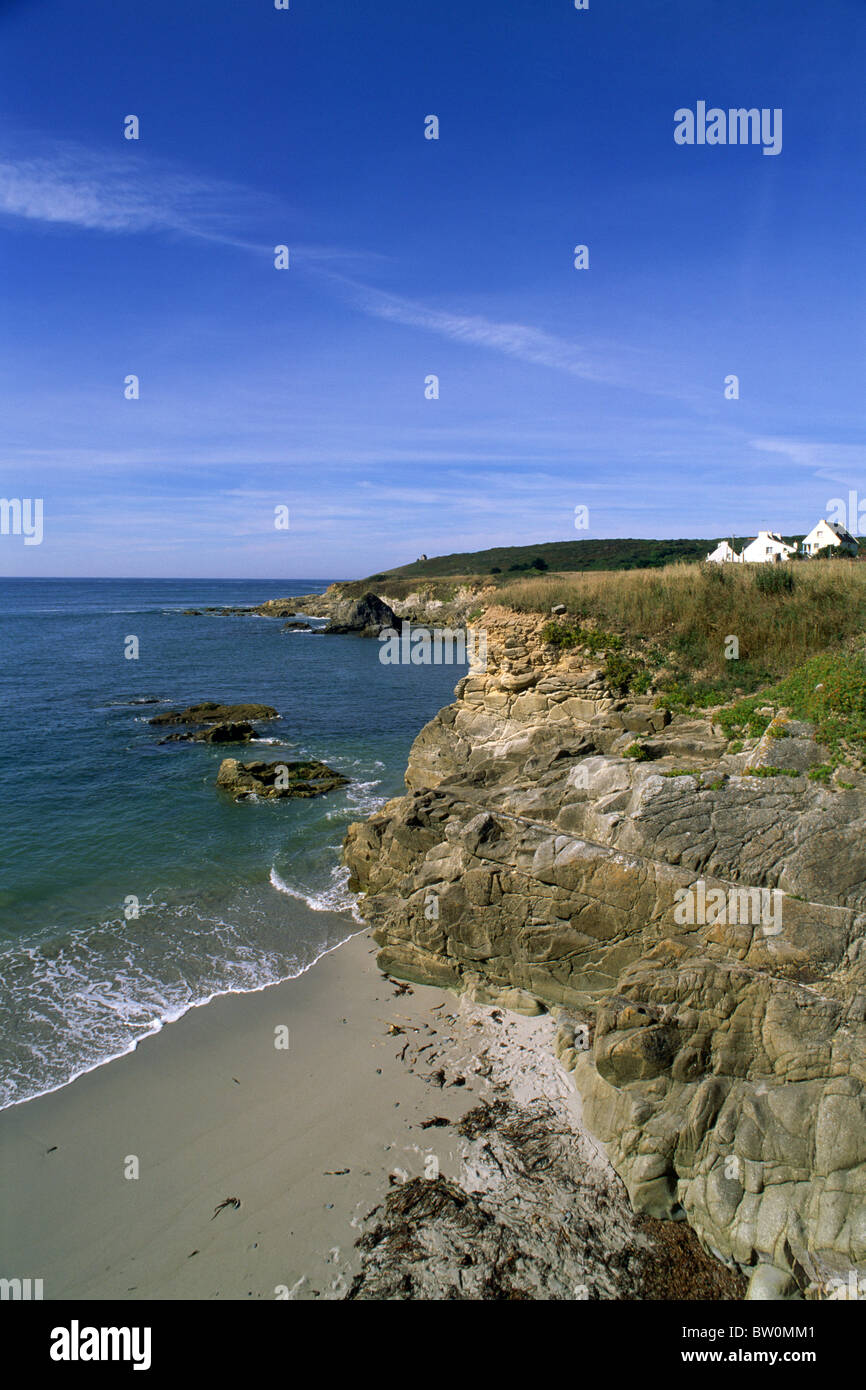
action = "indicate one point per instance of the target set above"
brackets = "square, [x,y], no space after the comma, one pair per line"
[693,635]
[798,633]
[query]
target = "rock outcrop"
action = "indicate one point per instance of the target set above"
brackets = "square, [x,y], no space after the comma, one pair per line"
[695,916]
[277,779]
[367,617]
[241,732]
[211,712]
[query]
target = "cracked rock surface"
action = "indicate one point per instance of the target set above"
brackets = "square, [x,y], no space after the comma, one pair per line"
[533,864]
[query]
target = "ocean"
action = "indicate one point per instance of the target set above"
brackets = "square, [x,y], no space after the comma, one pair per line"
[97,817]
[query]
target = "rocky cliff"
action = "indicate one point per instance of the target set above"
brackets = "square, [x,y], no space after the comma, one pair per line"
[694,916]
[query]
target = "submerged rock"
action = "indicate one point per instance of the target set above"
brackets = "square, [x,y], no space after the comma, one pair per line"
[278,779]
[212,712]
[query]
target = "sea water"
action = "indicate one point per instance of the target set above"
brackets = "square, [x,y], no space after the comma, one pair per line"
[131,889]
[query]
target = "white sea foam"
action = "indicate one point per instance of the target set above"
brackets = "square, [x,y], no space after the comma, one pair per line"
[337,898]
[80,1020]
[362,801]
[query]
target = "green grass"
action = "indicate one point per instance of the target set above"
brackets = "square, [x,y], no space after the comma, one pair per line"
[821,772]
[567,635]
[770,772]
[677,621]
[638,752]
[828,690]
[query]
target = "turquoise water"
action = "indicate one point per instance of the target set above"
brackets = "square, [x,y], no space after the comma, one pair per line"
[93,811]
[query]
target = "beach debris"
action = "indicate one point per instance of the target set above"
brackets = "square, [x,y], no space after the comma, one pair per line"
[402,988]
[336,1172]
[436,1078]
[394,1029]
[52,1150]
[436,1122]
[483,1118]
[194,1252]
[233,1202]
[235,1080]
[537,1222]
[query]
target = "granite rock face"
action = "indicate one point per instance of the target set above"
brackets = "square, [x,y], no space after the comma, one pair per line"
[699,930]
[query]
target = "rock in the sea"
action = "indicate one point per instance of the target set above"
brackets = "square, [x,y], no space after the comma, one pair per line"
[368,616]
[241,732]
[211,712]
[296,626]
[271,780]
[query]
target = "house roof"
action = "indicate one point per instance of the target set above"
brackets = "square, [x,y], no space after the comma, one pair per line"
[771,535]
[839,530]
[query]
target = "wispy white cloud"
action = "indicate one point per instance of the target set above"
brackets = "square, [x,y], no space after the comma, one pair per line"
[66,184]
[610,364]
[517,340]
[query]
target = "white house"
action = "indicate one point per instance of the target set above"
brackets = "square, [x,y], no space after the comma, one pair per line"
[827,534]
[724,553]
[767,548]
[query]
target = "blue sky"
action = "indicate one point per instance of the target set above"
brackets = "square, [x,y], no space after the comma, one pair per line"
[304,387]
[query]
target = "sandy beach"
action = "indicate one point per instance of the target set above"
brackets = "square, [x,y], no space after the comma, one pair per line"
[443,1130]
[213,1110]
